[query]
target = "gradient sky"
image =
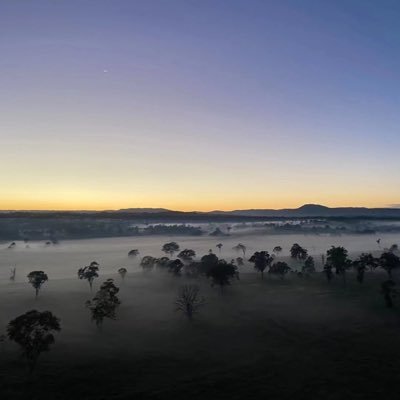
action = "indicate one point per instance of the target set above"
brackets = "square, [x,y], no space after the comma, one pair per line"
[199,104]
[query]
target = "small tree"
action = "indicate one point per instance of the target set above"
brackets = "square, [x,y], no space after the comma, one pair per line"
[175,267]
[362,263]
[122,271]
[297,252]
[240,261]
[309,267]
[389,261]
[170,248]
[36,279]
[90,272]
[394,248]
[338,259]
[148,262]
[261,260]
[187,255]
[162,262]
[189,302]
[389,292]
[32,331]
[240,247]
[13,274]
[105,303]
[221,274]
[219,246]
[277,249]
[279,269]
[133,253]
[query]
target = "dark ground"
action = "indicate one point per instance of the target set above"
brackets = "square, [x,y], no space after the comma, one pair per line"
[261,339]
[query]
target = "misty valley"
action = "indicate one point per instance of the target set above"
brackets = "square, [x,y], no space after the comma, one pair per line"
[236,307]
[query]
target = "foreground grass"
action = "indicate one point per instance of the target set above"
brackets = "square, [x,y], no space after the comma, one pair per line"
[261,339]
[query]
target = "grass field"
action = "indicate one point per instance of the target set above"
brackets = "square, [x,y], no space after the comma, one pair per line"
[260,339]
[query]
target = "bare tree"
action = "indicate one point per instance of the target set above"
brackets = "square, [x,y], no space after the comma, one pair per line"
[189,302]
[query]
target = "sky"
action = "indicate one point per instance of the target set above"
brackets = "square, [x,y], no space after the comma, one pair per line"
[199,105]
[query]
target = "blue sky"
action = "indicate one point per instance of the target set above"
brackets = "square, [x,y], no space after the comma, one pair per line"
[199,104]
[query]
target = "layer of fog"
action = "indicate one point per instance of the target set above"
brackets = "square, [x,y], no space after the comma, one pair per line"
[63,260]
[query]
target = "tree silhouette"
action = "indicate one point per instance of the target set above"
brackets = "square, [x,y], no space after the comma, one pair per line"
[261,260]
[187,255]
[170,248]
[280,269]
[277,249]
[133,253]
[105,303]
[122,271]
[362,263]
[175,266]
[189,301]
[240,247]
[219,246]
[337,257]
[221,273]
[297,252]
[90,272]
[207,262]
[308,267]
[32,331]
[162,262]
[148,262]
[240,261]
[389,261]
[36,279]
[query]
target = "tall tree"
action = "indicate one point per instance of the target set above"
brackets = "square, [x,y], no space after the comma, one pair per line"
[32,331]
[221,273]
[105,303]
[261,260]
[297,252]
[37,279]
[362,263]
[337,257]
[219,246]
[90,272]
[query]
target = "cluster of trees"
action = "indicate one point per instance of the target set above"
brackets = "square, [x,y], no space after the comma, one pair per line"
[34,330]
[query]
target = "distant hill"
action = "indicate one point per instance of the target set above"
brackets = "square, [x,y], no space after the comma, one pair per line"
[317,210]
[144,210]
[163,214]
